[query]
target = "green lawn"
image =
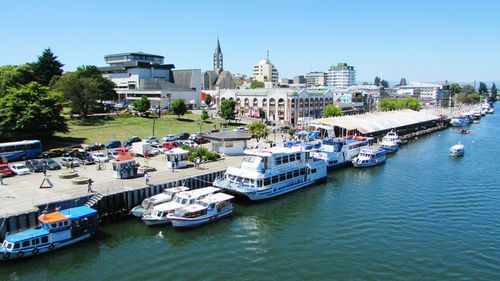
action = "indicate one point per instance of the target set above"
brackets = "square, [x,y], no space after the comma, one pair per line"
[102,130]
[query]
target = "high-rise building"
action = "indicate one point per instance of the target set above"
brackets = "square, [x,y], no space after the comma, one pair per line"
[315,79]
[341,76]
[265,72]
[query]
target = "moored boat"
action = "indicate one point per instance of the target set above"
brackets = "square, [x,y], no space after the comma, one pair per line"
[148,203]
[390,142]
[209,209]
[55,230]
[458,121]
[339,152]
[369,156]
[268,173]
[158,214]
[457,150]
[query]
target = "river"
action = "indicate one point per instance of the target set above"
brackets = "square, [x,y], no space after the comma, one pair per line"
[421,216]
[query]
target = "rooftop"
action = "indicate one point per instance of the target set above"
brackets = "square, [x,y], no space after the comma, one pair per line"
[228,135]
[134,54]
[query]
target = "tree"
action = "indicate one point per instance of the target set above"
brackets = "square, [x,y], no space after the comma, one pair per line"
[256,84]
[204,115]
[13,76]
[331,111]
[30,111]
[179,107]
[208,99]
[402,82]
[46,67]
[227,110]
[468,90]
[388,104]
[258,129]
[142,105]
[471,99]
[455,88]
[483,89]
[105,87]
[493,96]
[377,81]
[384,84]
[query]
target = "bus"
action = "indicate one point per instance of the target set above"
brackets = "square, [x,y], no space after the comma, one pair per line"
[20,150]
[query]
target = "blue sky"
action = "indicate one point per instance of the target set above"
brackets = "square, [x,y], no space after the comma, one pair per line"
[420,40]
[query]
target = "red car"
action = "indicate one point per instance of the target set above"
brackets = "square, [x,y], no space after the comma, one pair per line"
[170,145]
[5,171]
[122,150]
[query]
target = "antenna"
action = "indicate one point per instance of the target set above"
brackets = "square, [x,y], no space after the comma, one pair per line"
[267,54]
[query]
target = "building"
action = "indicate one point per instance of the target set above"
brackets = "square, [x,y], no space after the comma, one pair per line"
[315,79]
[341,76]
[218,78]
[299,79]
[140,74]
[229,142]
[265,72]
[424,92]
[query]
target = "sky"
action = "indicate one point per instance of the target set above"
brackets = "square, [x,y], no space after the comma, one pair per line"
[419,40]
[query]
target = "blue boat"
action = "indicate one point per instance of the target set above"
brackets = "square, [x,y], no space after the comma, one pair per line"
[56,230]
[369,156]
[390,142]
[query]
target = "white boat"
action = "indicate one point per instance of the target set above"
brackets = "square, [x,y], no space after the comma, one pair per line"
[370,156]
[458,121]
[457,150]
[390,142]
[209,209]
[491,110]
[268,173]
[339,152]
[148,203]
[158,214]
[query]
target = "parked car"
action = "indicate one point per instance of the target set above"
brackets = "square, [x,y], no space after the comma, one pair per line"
[86,159]
[100,157]
[122,150]
[169,137]
[6,171]
[34,165]
[159,148]
[152,140]
[95,146]
[113,144]
[55,152]
[20,169]
[131,140]
[240,130]
[170,145]
[189,143]
[153,151]
[51,164]
[66,161]
[183,136]
[214,131]
[73,147]
[269,123]
[113,155]
[76,152]
[199,139]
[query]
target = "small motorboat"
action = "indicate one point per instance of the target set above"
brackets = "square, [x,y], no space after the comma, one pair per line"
[369,156]
[147,204]
[464,132]
[457,150]
[390,142]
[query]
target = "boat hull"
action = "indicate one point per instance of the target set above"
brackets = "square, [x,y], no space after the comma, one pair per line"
[138,211]
[185,223]
[365,165]
[153,222]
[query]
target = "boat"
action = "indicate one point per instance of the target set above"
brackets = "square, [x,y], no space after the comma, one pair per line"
[158,215]
[209,209]
[458,121]
[369,156]
[464,132]
[457,150]
[477,116]
[339,152]
[390,142]
[148,203]
[491,110]
[56,230]
[265,174]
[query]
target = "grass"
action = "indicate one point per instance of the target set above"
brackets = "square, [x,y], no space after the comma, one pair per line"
[103,129]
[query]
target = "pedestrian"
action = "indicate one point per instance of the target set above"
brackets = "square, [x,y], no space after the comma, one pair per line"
[1,180]
[72,165]
[203,163]
[146,177]
[89,187]
[176,162]
[44,169]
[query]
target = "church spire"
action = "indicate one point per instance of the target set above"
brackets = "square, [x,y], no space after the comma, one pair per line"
[218,58]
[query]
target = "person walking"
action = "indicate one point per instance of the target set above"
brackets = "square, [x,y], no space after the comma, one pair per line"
[44,169]
[176,162]
[89,187]
[146,177]
[72,166]
[1,180]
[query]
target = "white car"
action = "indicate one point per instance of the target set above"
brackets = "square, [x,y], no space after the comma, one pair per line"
[20,169]
[189,143]
[169,137]
[113,155]
[239,129]
[100,157]
[152,140]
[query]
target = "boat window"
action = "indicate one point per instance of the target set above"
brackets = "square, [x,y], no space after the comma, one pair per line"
[296,173]
[275,179]
[297,156]
[267,181]
[292,157]
[212,206]
[302,172]
[60,224]
[9,246]
[282,177]
[16,246]
[25,244]
[35,241]
[289,175]
[313,171]
[285,159]
[44,239]
[278,161]
[66,223]
[184,201]
[245,181]
[252,182]
[191,201]
[260,183]
[53,225]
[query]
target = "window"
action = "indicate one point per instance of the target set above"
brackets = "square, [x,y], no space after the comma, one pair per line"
[26,244]
[289,175]
[53,225]
[259,183]
[296,173]
[285,159]
[267,181]
[313,171]
[278,160]
[298,156]
[282,177]
[302,172]
[292,157]
[16,246]
[275,179]
[35,241]
[45,239]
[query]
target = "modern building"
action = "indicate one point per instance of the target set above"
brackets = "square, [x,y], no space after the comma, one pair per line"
[341,76]
[218,78]
[299,79]
[315,79]
[424,92]
[140,74]
[265,72]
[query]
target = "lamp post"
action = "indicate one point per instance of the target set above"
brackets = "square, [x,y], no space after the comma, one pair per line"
[154,119]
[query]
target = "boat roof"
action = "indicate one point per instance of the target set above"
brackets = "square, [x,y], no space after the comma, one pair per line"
[177,189]
[194,208]
[52,217]
[198,192]
[272,150]
[26,234]
[217,197]
[79,212]
[239,172]
[167,206]
[457,146]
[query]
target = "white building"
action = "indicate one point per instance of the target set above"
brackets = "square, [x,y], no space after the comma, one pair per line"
[341,76]
[316,79]
[265,72]
[424,92]
[139,74]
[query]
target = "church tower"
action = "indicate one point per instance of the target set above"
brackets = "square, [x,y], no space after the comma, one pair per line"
[218,63]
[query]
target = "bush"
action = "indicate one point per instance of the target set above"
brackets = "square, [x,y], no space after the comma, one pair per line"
[200,152]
